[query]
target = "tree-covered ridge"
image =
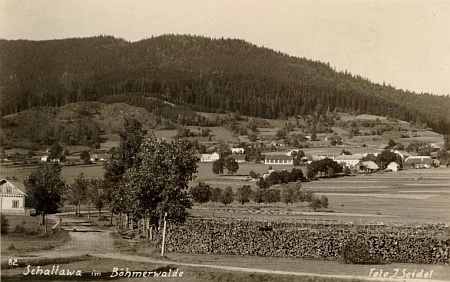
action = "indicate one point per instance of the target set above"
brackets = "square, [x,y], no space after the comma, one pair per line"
[217,75]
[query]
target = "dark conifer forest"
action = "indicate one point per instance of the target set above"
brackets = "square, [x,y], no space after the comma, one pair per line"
[199,73]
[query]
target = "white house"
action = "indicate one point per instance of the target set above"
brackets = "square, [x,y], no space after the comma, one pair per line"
[393,166]
[100,157]
[12,197]
[278,143]
[209,158]
[237,150]
[45,158]
[292,152]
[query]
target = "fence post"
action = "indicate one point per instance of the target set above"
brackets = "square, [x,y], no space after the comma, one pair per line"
[164,235]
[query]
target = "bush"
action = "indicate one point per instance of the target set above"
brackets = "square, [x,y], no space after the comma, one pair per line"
[20,229]
[357,251]
[5,224]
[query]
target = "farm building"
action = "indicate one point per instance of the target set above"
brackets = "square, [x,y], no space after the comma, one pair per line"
[402,154]
[348,160]
[316,157]
[209,158]
[279,159]
[239,158]
[266,175]
[367,166]
[418,162]
[278,143]
[319,144]
[45,158]
[291,152]
[237,150]
[12,196]
[393,166]
[100,157]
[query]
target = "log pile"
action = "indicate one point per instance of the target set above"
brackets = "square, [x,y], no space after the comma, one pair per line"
[424,243]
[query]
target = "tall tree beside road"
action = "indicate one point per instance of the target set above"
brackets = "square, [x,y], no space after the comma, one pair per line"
[46,188]
[124,157]
[159,183]
[97,194]
[78,192]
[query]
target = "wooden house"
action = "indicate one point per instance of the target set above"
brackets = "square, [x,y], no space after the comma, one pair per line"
[12,196]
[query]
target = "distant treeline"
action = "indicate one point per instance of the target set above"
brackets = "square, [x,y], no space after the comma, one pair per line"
[215,75]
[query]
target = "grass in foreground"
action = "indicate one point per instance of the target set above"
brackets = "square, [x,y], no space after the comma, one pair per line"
[25,235]
[190,274]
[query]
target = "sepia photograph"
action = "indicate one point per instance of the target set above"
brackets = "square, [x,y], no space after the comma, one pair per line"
[225,140]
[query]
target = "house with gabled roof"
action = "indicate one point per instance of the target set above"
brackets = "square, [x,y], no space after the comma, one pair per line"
[418,162]
[12,193]
[209,158]
[367,166]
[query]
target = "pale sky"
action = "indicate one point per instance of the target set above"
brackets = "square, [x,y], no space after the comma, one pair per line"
[404,43]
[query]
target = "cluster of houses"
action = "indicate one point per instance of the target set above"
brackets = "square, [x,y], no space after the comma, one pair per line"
[95,156]
[238,154]
[354,161]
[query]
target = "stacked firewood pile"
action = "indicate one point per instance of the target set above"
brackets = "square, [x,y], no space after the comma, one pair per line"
[322,240]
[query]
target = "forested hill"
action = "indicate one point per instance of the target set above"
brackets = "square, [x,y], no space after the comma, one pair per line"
[217,75]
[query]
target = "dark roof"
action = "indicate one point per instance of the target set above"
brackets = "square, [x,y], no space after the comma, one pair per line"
[278,157]
[237,156]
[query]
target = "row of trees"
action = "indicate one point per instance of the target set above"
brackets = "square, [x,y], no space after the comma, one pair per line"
[326,167]
[288,193]
[280,177]
[230,164]
[48,192]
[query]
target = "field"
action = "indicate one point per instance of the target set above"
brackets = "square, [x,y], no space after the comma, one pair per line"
[406,196]
[33,240]
[68,172]
[411,195]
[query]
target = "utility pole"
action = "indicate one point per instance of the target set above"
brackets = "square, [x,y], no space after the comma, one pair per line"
[164,235]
